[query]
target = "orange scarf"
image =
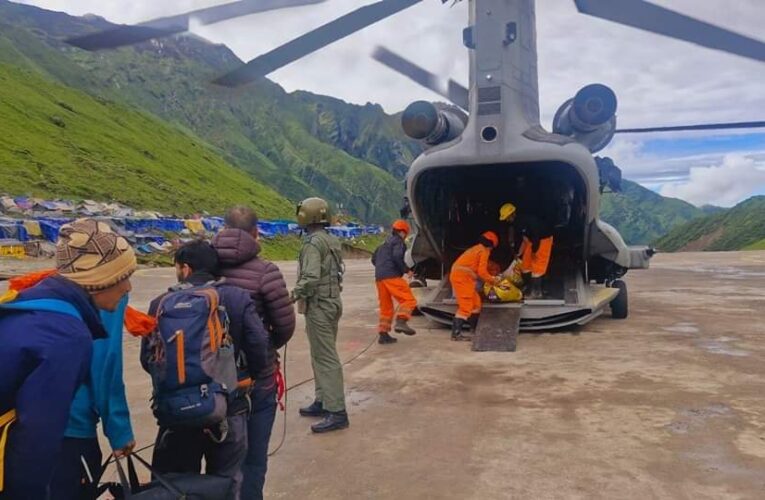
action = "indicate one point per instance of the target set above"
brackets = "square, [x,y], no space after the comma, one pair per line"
[136,323]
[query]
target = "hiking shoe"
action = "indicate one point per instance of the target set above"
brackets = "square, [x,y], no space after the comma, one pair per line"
[457,333]
[333,421]
[402,327]
[315,409]
[463,337]
[385,338]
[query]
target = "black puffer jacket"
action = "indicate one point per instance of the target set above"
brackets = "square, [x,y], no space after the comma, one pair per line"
[388,259]
[239,263]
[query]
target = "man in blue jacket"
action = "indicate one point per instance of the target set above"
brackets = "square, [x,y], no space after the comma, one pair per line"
[46,337]
[102,398]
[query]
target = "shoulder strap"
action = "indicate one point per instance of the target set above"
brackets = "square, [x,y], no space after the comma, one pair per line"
[49,305]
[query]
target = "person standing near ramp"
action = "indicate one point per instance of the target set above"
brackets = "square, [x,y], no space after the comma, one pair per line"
[389,264]
[317,292]
[536,247]
[471,266]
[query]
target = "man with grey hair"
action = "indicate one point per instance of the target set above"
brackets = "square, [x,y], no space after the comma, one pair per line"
[238,251]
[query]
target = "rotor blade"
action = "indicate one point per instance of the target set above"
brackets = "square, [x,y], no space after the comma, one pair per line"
[455,93]
[706,126]
[313,41]
[459,95]
[171,25]
[649,17]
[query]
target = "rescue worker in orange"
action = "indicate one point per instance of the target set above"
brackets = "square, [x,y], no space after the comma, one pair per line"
[536,246]
[390,268]
[471,266]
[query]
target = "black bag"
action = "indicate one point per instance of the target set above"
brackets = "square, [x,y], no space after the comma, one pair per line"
[171,486]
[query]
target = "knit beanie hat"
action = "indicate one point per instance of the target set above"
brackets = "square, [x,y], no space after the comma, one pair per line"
[89,253]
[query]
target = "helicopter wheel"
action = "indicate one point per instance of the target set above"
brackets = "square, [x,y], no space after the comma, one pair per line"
[620,305]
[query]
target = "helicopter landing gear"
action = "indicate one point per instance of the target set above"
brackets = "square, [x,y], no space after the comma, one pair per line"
[620,304]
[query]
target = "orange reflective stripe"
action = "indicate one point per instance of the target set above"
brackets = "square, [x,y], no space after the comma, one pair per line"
[6,420]
[213,320]
[180,352]
[245,383]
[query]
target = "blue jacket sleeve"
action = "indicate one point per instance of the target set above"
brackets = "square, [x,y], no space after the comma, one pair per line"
[61,361]
[108,384]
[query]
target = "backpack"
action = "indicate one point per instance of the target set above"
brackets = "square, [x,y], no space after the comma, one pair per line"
[8,304]
[192,359]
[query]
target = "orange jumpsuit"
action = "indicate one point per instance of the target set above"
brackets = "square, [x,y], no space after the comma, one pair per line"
[394,288]
[467,269]
[537,262]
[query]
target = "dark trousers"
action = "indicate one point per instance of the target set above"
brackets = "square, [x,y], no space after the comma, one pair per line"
[71,481]
[182,450]
[258,436]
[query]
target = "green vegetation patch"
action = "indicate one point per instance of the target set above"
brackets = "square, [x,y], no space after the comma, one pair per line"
[59,142]
[742,226]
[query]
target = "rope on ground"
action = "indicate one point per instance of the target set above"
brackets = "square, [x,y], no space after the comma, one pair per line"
[303,382]
[283,438]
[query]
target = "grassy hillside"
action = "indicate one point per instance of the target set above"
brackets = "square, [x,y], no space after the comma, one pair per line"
[270,134]
[59,142]
[643,216]
[741,227]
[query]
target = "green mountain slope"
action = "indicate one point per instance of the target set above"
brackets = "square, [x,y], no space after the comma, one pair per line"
[281,139]
[365,132]
[56,141]
[643,216]
[741,227]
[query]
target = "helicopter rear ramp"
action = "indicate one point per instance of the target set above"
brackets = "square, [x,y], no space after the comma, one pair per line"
[497,329]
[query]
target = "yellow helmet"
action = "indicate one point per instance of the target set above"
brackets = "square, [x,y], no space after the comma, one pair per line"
[506,211]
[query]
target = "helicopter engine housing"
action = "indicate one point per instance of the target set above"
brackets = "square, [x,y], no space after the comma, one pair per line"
[433,123]
[589,117]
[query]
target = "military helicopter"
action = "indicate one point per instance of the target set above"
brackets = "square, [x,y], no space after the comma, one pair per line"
[487,147]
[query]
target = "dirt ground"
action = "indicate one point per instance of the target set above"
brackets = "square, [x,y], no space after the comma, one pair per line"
[666,404]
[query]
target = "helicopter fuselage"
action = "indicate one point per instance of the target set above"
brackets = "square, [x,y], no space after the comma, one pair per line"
[503,155]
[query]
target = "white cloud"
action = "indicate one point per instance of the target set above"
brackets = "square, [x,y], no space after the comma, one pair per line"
[735,179]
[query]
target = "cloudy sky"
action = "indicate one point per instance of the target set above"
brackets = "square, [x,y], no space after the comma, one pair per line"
[658,81]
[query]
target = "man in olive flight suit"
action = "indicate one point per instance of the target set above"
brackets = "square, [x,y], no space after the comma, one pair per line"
[318,295]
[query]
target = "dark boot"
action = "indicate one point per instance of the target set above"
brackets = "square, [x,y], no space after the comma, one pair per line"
[526,283]
[536,288]
[333,421]
[385,338]
[457,333]
[473,322]
[315,409]
[402,327]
